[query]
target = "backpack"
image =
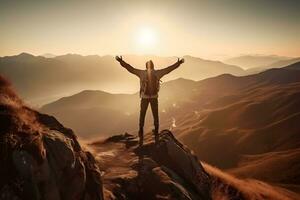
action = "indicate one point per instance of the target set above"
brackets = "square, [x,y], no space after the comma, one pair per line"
[150,85]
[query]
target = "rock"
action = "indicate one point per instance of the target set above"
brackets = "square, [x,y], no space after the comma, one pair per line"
[173,155]
[40,158]
[65,173]
[184,162]
[164,171]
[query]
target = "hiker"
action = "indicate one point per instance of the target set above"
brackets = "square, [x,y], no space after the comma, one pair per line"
[149,87]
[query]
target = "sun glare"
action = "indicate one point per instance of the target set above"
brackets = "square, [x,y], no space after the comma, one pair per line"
[146,37]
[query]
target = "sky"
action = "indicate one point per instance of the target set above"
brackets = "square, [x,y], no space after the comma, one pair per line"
[209,29]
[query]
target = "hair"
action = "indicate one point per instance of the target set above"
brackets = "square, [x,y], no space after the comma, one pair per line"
[149,64]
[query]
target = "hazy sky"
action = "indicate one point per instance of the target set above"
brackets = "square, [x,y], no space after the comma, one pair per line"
[212,29]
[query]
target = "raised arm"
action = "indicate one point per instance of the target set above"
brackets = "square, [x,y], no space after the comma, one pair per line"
[167,70]
[127,66]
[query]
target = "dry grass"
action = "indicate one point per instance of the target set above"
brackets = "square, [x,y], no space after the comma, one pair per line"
[226,186]
[19,128]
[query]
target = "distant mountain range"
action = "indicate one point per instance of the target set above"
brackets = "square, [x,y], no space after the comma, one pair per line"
[243,124]
[254,61]
[277,64]
[40,80]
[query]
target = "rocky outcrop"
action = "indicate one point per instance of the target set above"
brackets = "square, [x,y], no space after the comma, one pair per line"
[41,159]
[167,170]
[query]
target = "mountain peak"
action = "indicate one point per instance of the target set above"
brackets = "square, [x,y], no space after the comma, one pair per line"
[25,55]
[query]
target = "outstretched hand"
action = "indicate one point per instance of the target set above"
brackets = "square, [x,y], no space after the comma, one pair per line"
[119,58]
[180,60]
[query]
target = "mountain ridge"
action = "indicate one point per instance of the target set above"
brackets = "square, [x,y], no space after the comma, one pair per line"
[255,61]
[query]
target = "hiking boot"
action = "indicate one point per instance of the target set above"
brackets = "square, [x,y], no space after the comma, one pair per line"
[156,136]
[141,138]
[141,141]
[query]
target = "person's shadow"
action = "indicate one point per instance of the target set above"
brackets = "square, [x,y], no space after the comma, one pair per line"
[143,152]
[141,167]
[144,165]
[140,161]
[140,172]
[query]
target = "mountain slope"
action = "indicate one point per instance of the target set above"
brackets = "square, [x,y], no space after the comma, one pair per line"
[90,112]
[258,103]
[97,113]
[263,167]
[257,121]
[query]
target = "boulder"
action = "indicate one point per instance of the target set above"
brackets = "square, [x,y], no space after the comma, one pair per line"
[167,170]
[40,158]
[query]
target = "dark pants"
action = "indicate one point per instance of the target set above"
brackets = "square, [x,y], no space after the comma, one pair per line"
[154,107]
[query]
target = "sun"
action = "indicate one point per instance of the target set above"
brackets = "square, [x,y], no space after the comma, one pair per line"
[146,37]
